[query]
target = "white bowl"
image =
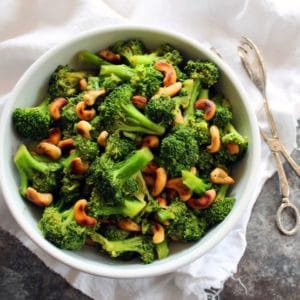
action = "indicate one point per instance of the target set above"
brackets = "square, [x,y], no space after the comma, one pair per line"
[29,91]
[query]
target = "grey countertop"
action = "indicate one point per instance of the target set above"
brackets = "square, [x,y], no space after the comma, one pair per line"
[269,269]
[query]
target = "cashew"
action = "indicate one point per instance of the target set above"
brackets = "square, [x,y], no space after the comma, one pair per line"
[162,202]
[158,233]
[150,168]
[220,176]
[83,128]
[54,136]
[56,106]
[215,139]
[177,185]
[160,181]
[150,141]
[170,76]
[48,149]
[80,215]
[139,101]
[204,201]
[40,199]
[170,90]
[83,113]
[90,97]
[129,225]
[149,179]
[66,144]
[193,170]
[171,194]
[232,148]
[102,138]
[78,166]
[179,117]
[208,106]
[110,56]
[83,84]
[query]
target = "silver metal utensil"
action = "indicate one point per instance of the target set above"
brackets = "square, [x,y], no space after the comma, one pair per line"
[253,63]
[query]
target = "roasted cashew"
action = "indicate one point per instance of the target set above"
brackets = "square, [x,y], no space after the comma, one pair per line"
[40,199]
[91,96]
[150,168]
[78,166]
[109,56]
[204,201]
[102,138]
[66,144]
[215,144]
[162,202]
[150,141]
[177,185]
[48,149]
[170,75]
[54,136]
[171,194]
[83,113]
[129,225]
[220,176]
[232,148]
[80,215]
[149,179]
[193,170]
[56,106]
[83,84]
[208,106]
[170,90]
[158,233]
[160,181]
[83,128]
[139,101]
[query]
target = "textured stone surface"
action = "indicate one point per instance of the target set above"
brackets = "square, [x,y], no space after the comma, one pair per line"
[270,268]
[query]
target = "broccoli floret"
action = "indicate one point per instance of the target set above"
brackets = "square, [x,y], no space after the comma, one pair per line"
[64,82]
[91,59]
[145,80]
[126,207]
[139,244]
[33,122]
[165,52]
[128,48]
[118,113]
[179,150]
[43,176]
[223,114]
[184,225]
[110,82]
[207,72]
[115,180]
[201,127]
[206,162]
[61,229]
[220,207]
[113,233]
[87,149]
[119,147]
[194,183]
[231,135]
[161,110]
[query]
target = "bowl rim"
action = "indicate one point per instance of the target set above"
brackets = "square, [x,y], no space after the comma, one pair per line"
[114,271]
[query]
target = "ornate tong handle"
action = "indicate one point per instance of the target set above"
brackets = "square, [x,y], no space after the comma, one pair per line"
[253,63]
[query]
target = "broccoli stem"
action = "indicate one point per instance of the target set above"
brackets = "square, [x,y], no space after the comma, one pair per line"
[25,164]
[222,192]
[194,183]
[126,169]
[139,122]
[189,111]
[122,71]
[145,59]
[88,57]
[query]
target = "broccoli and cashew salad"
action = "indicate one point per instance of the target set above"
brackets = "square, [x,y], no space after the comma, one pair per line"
[130,153]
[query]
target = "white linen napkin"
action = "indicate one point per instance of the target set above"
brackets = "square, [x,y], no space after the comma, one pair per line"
[29,28]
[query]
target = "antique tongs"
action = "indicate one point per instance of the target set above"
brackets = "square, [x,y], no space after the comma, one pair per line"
[253,63]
